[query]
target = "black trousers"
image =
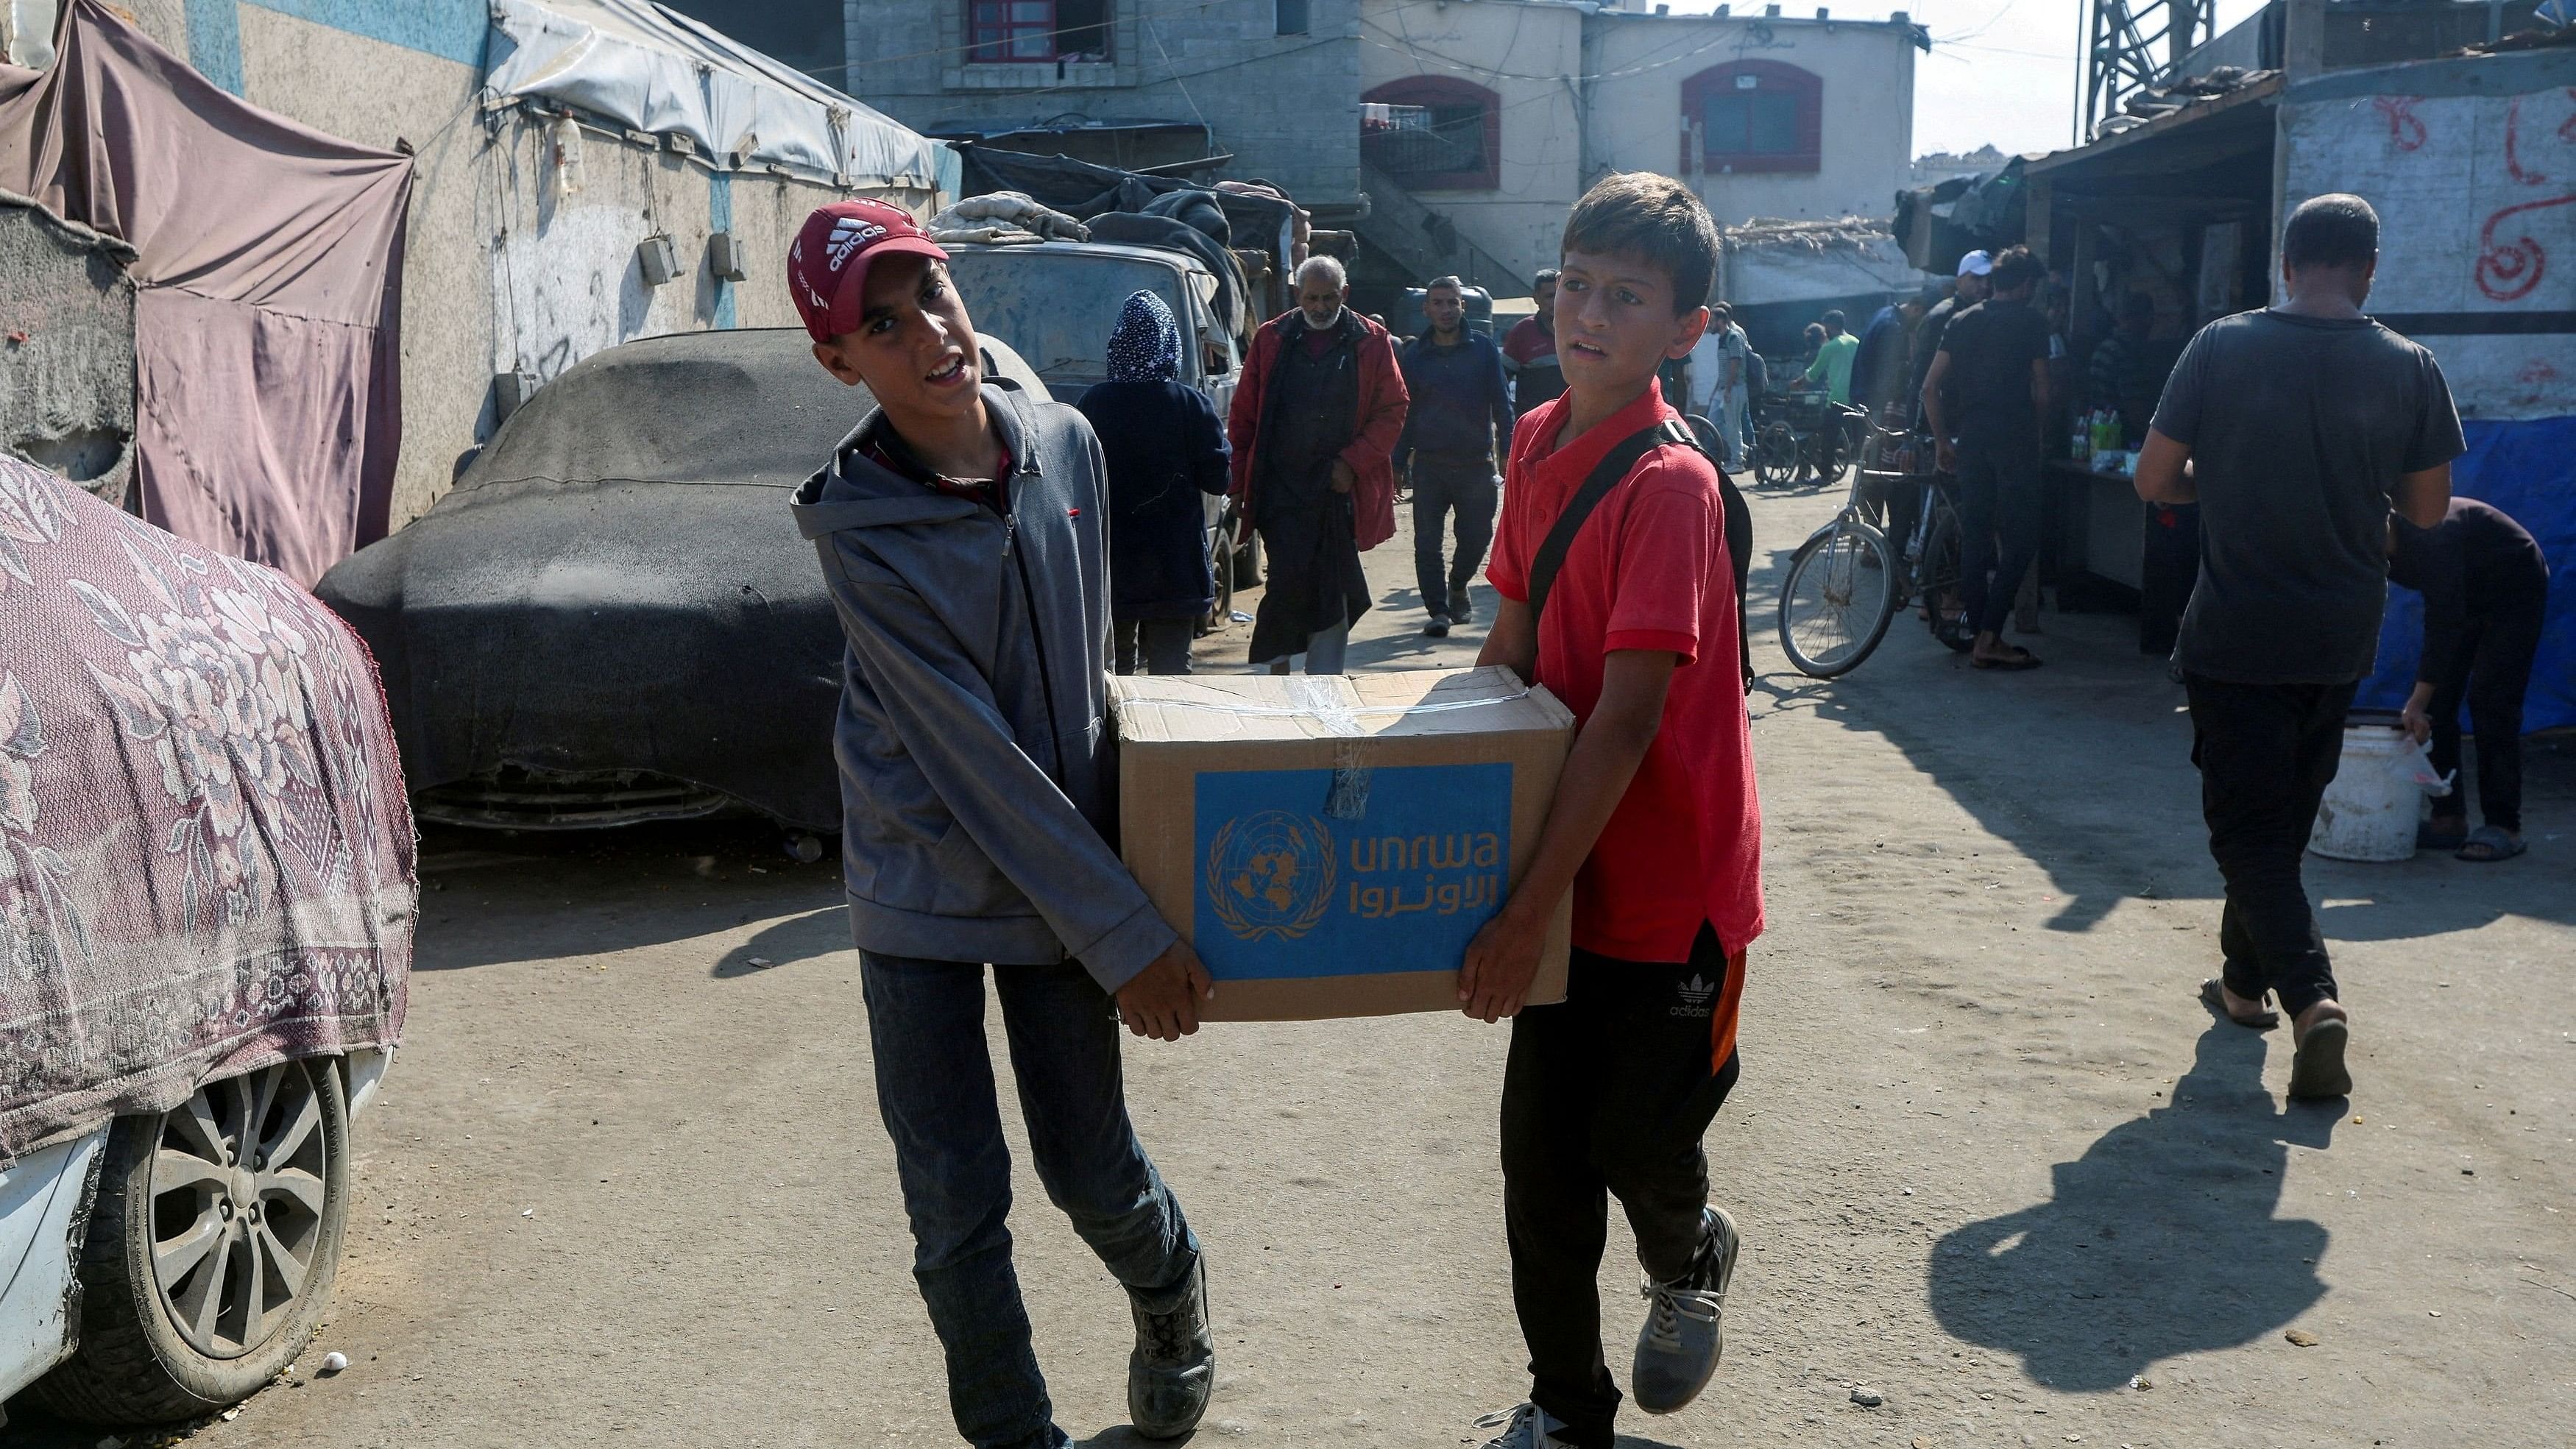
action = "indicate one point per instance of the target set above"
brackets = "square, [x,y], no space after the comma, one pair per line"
[1607,1092]
[1999,502]
[2266,753]
[1441,484]
[2491,670]
[1164,644]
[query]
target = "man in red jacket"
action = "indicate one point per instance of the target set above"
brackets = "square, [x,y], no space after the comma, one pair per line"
[1314,423]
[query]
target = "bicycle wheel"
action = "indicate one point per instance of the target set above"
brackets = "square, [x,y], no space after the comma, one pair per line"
[1775,455]
[1837,600]
[1941,600]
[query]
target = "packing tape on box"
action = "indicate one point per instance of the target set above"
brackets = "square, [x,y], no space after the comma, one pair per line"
[1319,697]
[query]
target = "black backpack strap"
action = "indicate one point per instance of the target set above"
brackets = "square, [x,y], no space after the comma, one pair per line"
[1739,537]
[1614,466]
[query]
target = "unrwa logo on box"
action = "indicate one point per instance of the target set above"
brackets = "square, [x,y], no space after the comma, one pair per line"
[1284,888]
[1270,875]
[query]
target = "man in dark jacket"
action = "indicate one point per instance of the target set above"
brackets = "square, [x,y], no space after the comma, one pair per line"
[959,528]
[1314,424]
[1458,405]
[1165,450]
[2485,584]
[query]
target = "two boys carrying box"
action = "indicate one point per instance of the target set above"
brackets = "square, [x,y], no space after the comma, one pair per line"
[960,527]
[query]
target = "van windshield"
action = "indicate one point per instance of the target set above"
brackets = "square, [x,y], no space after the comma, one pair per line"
[1056,309]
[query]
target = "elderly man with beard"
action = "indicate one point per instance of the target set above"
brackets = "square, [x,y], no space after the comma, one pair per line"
[1313,427]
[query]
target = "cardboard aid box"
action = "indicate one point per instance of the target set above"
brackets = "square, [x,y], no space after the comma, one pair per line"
[1330,844]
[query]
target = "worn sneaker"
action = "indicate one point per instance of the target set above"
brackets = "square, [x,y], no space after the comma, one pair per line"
[1527,1427]
[1173,1369]
[1462,609]
[1438,628]
[1685,1330]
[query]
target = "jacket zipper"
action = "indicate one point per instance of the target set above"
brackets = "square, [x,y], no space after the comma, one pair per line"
[1037,637]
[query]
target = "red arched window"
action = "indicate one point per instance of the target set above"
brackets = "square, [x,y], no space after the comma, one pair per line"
[1434,133]
[1755,115]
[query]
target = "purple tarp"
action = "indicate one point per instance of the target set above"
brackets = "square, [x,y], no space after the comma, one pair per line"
[268,272]
[205,847]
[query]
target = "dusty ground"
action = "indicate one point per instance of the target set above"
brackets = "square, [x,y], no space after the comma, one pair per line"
[1992,1159]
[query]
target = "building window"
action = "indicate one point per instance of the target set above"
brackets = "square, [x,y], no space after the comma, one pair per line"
[1753,115]
[1434,133]
[1291,15]
[1037,30]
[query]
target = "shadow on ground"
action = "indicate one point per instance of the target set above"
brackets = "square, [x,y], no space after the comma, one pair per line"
[637,885]
[2161,1240]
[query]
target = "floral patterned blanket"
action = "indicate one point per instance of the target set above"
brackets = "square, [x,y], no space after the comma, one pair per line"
[206,855]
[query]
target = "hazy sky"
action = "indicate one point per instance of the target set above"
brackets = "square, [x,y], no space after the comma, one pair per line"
[2000,70]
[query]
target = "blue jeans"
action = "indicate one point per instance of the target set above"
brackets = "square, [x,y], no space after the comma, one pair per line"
[935,1091]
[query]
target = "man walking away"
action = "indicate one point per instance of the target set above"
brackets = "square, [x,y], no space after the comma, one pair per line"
[1968,290]
[1832,367]
[2486,589]
[1457,405]
[2295,429]
[1529,349]
[1314,426]
[1994,358]
[1164,448]
[959,528]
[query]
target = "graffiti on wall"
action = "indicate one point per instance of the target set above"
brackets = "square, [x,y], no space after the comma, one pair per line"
[2477,203]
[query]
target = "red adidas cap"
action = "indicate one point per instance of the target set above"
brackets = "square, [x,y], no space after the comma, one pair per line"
[827,266]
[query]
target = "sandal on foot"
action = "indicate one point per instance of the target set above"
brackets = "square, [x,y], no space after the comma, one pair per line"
[2019,658]
[2316,1065]
[2213,996]
[2494,843]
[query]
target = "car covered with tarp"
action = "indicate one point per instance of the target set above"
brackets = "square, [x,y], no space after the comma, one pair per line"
[611,617]
[207,900]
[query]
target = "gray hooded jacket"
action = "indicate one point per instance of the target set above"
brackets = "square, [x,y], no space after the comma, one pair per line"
[978,783]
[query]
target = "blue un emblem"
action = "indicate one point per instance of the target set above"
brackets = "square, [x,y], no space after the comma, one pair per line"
[1270,875]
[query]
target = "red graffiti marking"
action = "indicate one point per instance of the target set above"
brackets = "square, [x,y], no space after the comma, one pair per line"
[2405,132]
[2512,159]
[2508,273]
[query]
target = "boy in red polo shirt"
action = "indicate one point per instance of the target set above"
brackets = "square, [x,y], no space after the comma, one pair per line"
[1655,829]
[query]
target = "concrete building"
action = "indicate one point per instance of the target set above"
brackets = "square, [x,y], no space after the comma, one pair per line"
[1497,114]
[1271,83]
[1933,168]
[522,253]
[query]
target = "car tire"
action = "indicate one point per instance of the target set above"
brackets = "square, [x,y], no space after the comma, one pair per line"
[136,1363]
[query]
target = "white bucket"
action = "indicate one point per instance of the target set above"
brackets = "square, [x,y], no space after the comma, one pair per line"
[2371,809]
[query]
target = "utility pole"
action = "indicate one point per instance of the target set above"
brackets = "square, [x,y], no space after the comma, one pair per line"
[2122,57]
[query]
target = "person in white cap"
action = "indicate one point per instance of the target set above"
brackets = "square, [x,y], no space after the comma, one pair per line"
[1974,286]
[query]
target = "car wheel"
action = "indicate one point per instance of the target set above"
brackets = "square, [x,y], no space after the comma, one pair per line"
[211,1249]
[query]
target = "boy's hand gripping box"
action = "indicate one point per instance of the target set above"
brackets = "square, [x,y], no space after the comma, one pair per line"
[1331,844]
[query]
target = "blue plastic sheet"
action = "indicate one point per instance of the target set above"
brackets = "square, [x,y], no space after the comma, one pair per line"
[2528,469]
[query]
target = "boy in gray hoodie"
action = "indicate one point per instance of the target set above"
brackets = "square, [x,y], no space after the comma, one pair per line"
[961,530]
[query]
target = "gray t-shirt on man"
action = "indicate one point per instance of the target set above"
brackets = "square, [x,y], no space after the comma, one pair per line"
[2299,428]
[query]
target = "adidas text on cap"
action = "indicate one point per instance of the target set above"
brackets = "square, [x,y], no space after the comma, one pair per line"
[827,264]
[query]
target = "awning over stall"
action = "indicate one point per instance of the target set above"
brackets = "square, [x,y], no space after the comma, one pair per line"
[659,72]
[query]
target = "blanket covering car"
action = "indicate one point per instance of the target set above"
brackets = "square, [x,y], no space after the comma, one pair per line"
[206,855]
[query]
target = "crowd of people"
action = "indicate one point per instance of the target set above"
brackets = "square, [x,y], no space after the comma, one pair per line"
[976,765]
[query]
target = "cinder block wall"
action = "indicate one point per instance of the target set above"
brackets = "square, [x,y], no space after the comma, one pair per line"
[1284,105]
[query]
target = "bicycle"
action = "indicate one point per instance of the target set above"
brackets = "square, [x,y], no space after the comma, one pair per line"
[1846,582]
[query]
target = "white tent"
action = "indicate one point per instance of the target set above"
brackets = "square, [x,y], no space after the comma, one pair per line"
[656,71]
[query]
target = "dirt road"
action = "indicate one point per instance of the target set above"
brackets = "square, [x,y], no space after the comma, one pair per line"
[1993,1161]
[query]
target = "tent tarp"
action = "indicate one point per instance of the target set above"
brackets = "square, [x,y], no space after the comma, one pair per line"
[654,70]
[2528,469]
[268,258]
